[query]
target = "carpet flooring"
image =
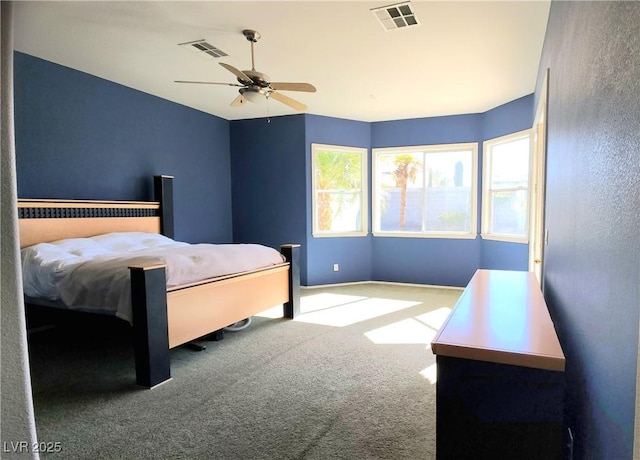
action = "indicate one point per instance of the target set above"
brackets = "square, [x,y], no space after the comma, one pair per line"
[351,378]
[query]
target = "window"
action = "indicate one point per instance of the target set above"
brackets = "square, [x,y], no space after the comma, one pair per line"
[339,185]
[426,191]
[505,203]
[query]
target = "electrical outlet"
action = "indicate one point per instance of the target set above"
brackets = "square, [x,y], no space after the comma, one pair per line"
[336,267]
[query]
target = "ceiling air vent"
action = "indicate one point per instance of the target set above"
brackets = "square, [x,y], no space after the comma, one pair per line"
[204,49]
[396,16]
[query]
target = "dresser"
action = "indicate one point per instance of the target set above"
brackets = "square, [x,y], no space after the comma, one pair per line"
[500,373]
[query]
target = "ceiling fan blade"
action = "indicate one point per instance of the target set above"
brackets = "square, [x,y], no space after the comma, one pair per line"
[306,87]
[238,101]
[238,73]
[208,83]
[288,101]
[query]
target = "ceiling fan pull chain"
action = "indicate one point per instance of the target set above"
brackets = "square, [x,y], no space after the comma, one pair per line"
[268,116]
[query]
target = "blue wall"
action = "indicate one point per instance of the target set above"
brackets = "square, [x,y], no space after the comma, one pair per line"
[79,136]
[592,260]
[268,182]
[508,118]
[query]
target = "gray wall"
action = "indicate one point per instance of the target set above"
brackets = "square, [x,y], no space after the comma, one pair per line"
[592,264]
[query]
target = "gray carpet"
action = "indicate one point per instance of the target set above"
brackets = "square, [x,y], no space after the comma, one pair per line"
[342,382]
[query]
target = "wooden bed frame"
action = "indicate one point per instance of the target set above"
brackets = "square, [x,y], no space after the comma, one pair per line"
[165,318]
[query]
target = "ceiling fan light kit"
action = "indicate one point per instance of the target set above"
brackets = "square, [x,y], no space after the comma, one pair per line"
[254,95]
[256,86]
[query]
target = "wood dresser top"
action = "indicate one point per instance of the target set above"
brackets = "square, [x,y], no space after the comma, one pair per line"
[501,317]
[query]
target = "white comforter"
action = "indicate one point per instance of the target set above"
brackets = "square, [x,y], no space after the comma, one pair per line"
[92,273]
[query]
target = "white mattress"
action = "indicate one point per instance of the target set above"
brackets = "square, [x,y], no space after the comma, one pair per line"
[92,273]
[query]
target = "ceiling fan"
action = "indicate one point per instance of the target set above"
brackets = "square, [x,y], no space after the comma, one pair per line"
[255,85]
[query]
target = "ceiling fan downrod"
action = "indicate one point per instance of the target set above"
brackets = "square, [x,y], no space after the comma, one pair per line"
[253,36]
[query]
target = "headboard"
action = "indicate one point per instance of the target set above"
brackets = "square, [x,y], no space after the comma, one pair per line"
[48,220]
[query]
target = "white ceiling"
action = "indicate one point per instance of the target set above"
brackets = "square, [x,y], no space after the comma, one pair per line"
[464,57]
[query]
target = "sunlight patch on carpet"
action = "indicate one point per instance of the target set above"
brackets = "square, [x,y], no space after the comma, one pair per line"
[436,318]
[326,300]
[314,302]
[341,310]
[430,373]
[407,331]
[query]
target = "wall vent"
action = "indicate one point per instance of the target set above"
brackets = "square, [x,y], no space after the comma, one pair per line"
[203,49]
[396,16]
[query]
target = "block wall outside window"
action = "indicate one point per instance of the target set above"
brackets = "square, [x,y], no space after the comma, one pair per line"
[425,191]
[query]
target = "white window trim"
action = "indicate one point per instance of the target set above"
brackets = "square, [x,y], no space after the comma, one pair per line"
[435,148]
[364,214]
[486,195]
[446,235]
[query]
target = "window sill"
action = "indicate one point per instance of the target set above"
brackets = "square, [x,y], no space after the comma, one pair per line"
[339,234]
[505,238]
[440,235]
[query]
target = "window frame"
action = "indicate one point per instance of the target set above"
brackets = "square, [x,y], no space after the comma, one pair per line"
[364,195]
[426,149]
[486,215]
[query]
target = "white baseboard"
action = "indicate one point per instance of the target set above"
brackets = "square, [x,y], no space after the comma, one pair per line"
[391,283]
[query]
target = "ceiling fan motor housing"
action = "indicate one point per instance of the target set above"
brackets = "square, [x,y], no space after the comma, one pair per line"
[258,78]
[254,90]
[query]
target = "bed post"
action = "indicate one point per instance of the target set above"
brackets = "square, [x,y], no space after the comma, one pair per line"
[163,192]
[150,325]
[291,252]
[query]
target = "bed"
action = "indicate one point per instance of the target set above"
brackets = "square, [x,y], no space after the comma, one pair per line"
[165,310]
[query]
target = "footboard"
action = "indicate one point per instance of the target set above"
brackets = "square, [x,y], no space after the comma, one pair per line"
[165,319]
[198,310]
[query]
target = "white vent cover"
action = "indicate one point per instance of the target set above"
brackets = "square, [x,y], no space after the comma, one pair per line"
[203,49]
[396,16]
